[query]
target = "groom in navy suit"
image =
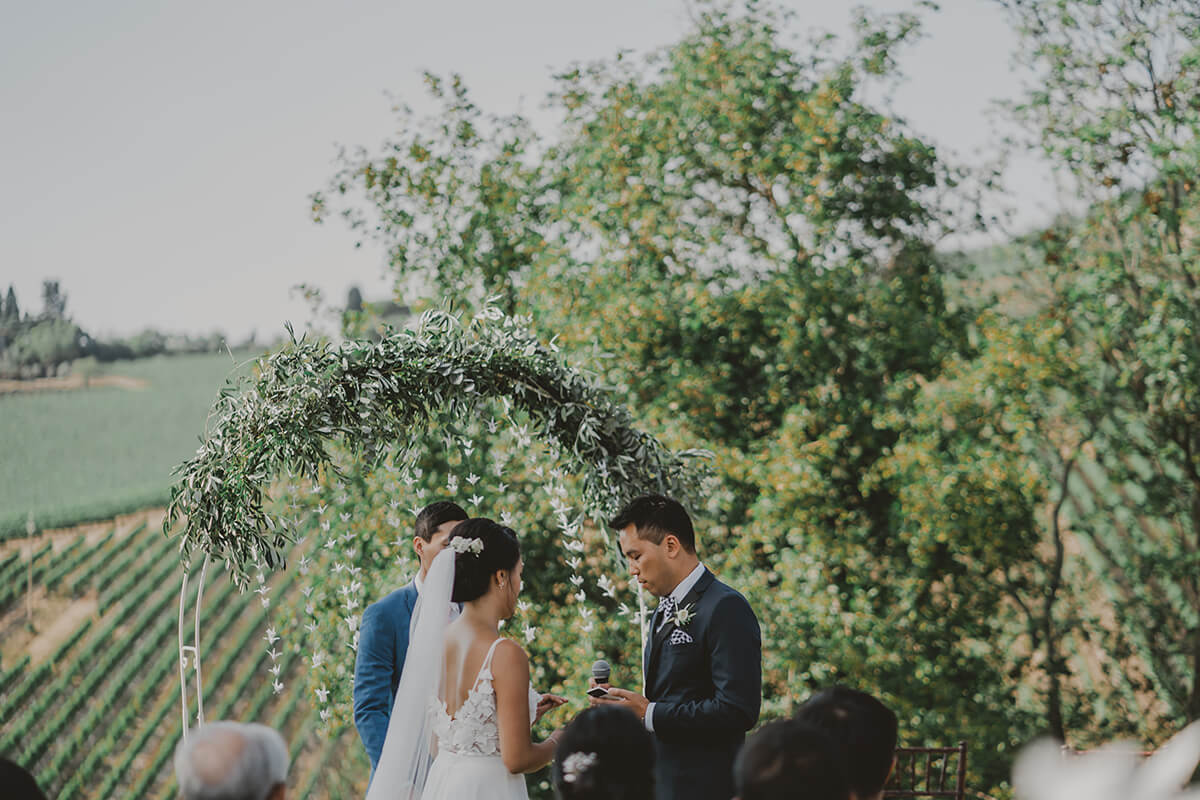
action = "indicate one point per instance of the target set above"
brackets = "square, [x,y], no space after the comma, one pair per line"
[703,660]
[383,636]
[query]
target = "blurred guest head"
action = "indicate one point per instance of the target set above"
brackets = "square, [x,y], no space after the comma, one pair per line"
[606,753]
[232,761]
[18,783]
[864,732]
[789,760]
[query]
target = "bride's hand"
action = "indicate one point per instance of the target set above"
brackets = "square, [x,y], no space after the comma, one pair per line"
[549,702]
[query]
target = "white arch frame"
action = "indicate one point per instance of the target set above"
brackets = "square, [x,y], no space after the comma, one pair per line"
[193,648]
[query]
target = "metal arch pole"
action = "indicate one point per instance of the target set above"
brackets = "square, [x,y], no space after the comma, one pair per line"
[183,662]
[642,632]
[199,684]
[194,649]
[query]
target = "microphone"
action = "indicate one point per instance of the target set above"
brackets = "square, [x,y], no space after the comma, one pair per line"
[601,671]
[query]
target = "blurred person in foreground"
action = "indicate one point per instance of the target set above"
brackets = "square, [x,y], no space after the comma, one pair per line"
[232,761]
[605,754]
[863,731]
[16,783]
[790,760]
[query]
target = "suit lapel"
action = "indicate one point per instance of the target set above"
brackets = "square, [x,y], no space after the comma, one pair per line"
[652,652]
[658,637]
[413,596]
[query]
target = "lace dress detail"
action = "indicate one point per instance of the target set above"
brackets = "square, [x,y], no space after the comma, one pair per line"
[473,730]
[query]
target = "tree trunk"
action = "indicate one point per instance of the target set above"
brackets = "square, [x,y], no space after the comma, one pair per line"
[1193,704]
[1054,661]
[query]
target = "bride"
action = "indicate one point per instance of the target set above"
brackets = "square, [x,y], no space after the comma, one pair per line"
[460,723]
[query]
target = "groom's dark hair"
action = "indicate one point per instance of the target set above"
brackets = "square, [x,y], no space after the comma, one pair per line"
[654,516]
[432,516]
[862,729]
[789,759]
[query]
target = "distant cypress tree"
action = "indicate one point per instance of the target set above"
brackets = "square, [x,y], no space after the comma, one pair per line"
[354,300]
[54,302]
[9,312]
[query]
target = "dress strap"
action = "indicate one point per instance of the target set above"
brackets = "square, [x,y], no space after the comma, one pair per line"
[485,669]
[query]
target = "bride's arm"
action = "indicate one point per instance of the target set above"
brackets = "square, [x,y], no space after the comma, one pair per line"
[510,680]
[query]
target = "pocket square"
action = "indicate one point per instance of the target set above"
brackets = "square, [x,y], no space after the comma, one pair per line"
[681,637]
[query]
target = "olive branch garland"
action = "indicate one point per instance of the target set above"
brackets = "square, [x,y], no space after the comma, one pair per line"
[373,396]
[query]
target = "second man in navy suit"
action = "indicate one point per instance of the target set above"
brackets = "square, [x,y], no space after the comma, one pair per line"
[383,635]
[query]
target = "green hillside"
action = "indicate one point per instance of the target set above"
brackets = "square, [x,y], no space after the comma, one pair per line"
[90,454]
[97,712]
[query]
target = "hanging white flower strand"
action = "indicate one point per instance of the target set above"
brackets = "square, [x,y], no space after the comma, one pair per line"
[571,527]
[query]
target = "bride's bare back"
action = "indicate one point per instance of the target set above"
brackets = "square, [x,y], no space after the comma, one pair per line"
[466,649]
[476,659]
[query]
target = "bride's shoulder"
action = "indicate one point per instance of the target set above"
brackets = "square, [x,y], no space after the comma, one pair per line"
[509,654]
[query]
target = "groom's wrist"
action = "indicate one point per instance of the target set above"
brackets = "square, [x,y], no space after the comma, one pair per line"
[648,717]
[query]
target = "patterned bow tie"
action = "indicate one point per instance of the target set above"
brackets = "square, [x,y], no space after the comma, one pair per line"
[666,608]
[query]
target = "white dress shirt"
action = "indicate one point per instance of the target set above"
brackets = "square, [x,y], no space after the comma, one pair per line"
[677,594]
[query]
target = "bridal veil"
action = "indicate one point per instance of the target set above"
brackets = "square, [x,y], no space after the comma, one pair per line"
[408,747]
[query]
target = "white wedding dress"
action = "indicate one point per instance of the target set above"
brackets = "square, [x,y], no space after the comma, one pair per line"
[427,753]
[468,765]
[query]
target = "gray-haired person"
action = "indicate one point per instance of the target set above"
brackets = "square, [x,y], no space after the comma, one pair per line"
[232,761]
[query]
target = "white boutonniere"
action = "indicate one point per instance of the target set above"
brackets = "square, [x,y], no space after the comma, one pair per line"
[683,616]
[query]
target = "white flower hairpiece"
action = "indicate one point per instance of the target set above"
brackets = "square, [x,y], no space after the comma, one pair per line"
[465,545]
[576,764]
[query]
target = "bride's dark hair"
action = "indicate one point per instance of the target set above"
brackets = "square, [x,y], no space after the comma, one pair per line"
[473,571]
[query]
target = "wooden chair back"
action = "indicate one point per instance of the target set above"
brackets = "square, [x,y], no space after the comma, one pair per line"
[929,772]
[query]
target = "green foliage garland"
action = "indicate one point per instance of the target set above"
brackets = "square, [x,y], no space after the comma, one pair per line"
[373,396]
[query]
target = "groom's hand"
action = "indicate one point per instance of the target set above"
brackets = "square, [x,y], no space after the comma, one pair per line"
[625,699]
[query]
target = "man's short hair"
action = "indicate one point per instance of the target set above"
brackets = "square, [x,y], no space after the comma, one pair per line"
[789,760]
[231,761]
[434,515]
[863,730]
[654,516]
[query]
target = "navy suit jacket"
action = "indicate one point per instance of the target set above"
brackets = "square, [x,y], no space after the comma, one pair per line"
[382,646]
[707,692]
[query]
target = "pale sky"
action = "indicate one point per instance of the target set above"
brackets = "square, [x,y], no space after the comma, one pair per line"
[157,157]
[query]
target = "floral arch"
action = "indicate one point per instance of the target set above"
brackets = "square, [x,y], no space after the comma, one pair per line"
[300,441]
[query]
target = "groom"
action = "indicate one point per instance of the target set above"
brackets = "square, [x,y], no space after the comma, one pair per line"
[383,636]
[703,661]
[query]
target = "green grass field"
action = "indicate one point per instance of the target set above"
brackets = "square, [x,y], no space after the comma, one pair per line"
[90,454]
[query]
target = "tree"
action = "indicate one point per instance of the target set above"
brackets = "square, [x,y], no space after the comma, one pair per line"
[989,461]
[354,299]
[1115,105]
[752,243]
[86,368]
[46,344]
[54,302]
[10,313]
